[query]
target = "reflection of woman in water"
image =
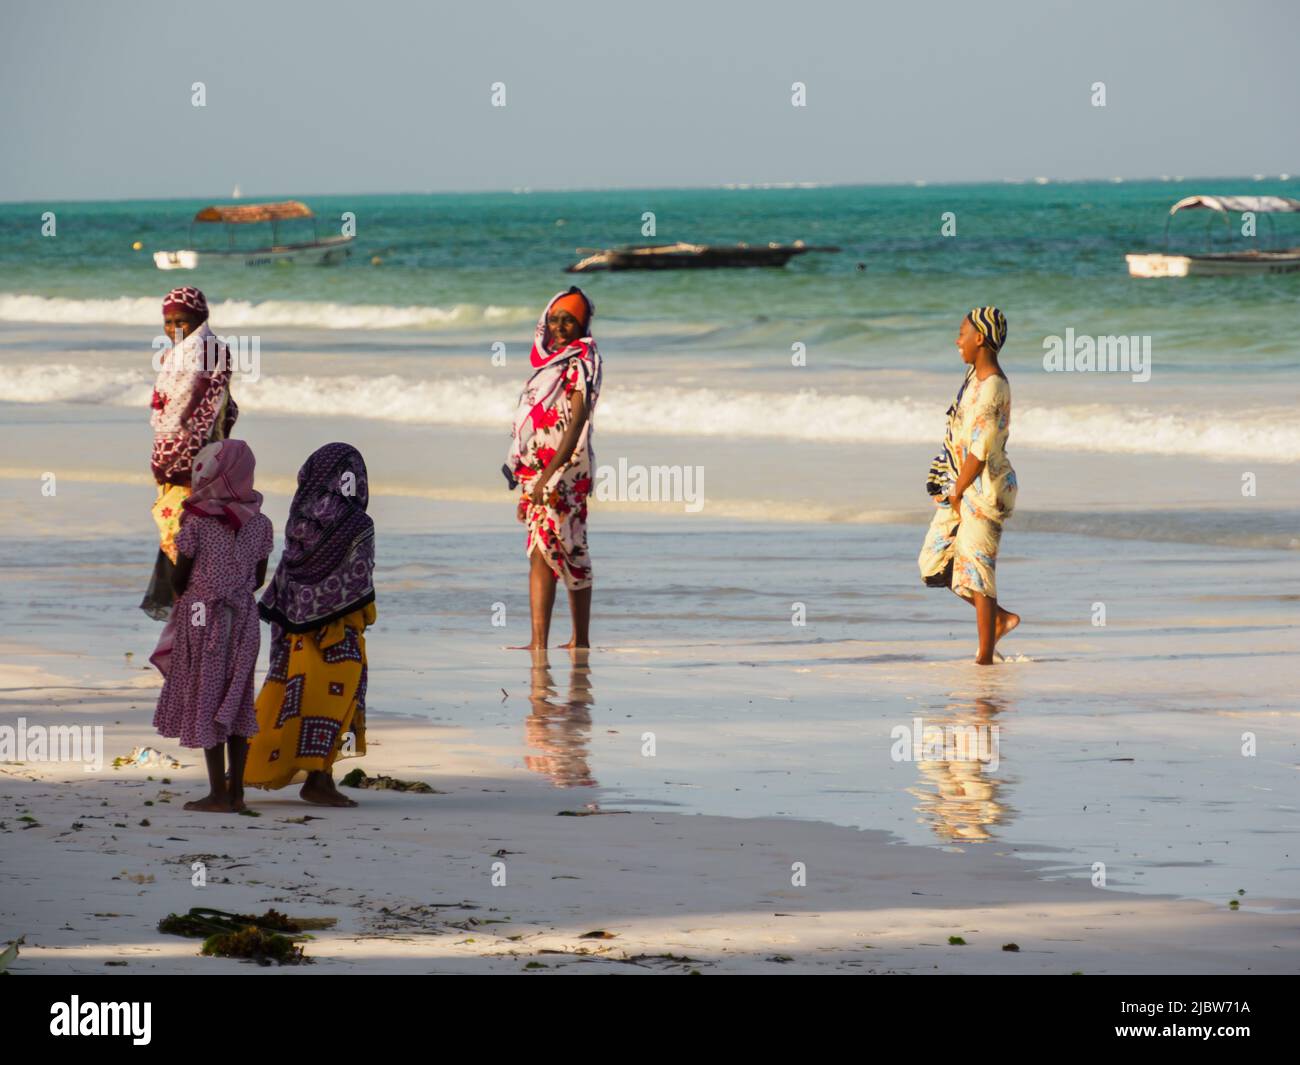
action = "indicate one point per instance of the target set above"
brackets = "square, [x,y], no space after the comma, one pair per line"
[964,803]
[560,729]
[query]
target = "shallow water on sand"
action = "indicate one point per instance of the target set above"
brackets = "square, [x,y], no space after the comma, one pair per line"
[1120,744]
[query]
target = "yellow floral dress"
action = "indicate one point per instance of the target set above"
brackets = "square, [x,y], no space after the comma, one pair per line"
[978,425]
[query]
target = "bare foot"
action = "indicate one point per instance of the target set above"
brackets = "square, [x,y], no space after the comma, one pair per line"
[212,804]
[529,647]
[1005,623]
[324,795]
[574,645]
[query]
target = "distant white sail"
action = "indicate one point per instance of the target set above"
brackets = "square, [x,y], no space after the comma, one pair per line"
[235,193]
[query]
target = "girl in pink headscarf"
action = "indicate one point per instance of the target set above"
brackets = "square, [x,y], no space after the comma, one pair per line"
[209,646]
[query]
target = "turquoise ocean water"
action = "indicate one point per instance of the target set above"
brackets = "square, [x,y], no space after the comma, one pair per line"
[1051,255]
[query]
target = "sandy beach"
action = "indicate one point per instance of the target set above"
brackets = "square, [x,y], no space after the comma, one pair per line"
[408,878]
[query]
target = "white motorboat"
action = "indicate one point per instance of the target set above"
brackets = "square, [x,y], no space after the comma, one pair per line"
[1212,263]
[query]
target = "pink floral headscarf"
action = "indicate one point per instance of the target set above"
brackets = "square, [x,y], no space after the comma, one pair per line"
[222,484]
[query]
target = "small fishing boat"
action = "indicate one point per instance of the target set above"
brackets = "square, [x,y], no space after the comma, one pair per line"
[1211,263]
[314,251]
[683,256]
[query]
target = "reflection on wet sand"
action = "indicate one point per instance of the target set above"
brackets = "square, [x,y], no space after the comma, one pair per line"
[963,804]
[560,728]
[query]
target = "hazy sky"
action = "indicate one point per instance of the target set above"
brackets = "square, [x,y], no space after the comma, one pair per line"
[388,96]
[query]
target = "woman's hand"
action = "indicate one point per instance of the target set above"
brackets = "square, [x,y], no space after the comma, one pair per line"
[970,469]
[521,511]
[538,495]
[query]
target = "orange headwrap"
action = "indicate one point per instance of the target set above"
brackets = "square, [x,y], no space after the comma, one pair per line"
[575,304]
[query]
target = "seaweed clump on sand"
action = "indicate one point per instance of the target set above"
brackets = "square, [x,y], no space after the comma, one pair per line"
[255,944]
[202,922]
[358,779]
[272,937]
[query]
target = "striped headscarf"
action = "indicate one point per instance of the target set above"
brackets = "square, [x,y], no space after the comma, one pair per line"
[991,324]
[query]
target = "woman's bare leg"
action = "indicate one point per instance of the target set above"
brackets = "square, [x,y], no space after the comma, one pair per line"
[541,598]
[580,609]
[238,748]
[986,617]
[217,800]
[992,622]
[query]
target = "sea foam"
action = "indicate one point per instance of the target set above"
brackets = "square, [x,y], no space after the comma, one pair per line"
[809,415]
[238,314]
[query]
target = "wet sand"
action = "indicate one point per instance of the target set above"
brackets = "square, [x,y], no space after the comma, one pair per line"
[409,879]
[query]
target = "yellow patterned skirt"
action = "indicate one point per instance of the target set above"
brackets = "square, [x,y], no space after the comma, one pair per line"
[311,710]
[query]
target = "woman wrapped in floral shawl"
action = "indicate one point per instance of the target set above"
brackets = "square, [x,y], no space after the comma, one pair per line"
[551,458]
[191,407]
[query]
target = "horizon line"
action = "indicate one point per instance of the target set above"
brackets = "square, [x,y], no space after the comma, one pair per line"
[729,186]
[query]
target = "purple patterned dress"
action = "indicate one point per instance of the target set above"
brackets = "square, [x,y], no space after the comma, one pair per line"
[208,694]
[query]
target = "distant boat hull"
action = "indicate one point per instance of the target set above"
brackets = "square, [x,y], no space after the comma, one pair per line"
[317,253]
[1222,265]
[684,256]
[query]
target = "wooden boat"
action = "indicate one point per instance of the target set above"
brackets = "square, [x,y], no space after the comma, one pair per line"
[1212,263]
[683,256]
[314,251]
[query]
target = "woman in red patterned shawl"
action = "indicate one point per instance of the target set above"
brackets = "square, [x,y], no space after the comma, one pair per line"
[192,407]
[551,457]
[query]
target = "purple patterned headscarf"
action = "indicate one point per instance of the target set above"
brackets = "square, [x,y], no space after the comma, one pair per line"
[327,568]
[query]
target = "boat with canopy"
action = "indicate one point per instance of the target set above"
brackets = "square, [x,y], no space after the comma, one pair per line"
[1228,262]
[314,251]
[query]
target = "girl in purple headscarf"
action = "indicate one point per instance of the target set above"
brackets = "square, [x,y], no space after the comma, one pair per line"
[312,707]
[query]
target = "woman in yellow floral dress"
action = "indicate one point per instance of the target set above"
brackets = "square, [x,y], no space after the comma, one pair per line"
[973,484]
